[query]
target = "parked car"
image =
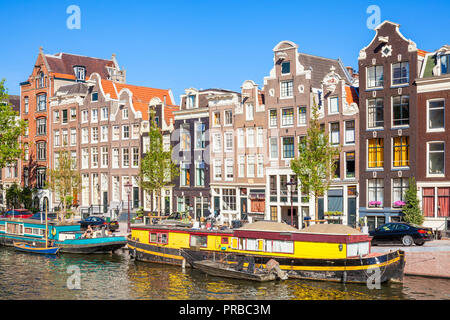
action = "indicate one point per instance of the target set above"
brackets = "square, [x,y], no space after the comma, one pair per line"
[98,221]
[401,232]
[50,216]
[18,214]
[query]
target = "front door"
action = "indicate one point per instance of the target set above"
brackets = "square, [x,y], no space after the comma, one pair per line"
[167,206]
[243,208]
[351,217]
[320,209]
[216,205]
[105,201]
[135,197]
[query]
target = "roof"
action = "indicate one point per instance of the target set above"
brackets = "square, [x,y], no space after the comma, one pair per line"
[320,67]
[77,88]
[268,226]
[63,63]
[330,229]
[15,102]
[422,53]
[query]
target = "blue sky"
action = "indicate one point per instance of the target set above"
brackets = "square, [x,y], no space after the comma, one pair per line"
[204,44]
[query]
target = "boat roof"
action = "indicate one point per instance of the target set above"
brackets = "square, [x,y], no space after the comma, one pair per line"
[268,226]
[38,221]
[331,229]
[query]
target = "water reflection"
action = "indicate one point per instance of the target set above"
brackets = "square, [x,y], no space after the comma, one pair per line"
[115,276]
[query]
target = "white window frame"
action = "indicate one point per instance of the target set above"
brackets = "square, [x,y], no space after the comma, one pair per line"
[428,115]
[428,174]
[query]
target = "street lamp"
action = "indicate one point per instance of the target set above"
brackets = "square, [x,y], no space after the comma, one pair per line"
[128,187]
[292,183]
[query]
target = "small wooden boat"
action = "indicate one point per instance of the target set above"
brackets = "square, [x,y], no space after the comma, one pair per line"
[223,269]
[33,249]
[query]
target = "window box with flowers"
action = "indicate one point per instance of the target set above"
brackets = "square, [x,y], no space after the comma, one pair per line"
[399,204]
[334,216]
[374,204]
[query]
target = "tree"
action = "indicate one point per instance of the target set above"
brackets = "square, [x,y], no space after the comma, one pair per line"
[13,194]
[316,164]
[11,129]
[157,170]
[411,210]
[64,180]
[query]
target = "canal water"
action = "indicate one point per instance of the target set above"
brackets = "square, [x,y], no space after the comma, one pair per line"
[115,276]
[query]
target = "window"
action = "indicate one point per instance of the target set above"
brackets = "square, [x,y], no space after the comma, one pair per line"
[273,118]
[125,157]
[135,157]
[443,202]
[104,134]
[376,153]
[190,101]
[375,195]
[375,76]
[250,166]
[26,151]
[333,105]
[198,241]
[287,89]
[445,64]
[73,137]
[185,177]
[375,116]
[260,166]
[94,97]
[84,116]
[41,80]
[287,117]
[80,73]
[200,137]
[428,202]
[64,116]
[337,168]
[436,158]
[334,129]
[94,115]
[229,199]
[135,133]
[185,137]
[41,126]
[94,137]
[229,169]
[350,164]
[228,117]
[260,137]
[73,114]
[399,187]
[436,112]
[42,150]
[84,135]
[241,138]
[401,152]
[273,147]
[55,116]
[25,105]
[350,132]
[125,132]
[301,116]
[125,113]
[400,112]
[228,141]
[200,174]
[84,158]
[41,178]
[217,169]
[104,113]
[250,137]
[57,141]
[400,73]
[217,143]
[105,157]
[286,67]
[116,133]
[94,154]
[115,154]
[65,137]
[249,112]
[41,102]
[216,118]
[288,147]
[241,167]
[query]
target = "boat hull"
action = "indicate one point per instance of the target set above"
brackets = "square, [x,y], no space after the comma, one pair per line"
[30,249]
[217,269]
[375,268]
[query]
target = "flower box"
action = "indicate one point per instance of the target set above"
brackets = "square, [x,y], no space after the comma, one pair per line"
[375,204]
[399,204]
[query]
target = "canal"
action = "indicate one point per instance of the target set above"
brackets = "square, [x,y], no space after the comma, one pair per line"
[115,276]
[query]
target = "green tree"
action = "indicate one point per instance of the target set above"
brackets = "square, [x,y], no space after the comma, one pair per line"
[316,163]
[157,170]
[13,194]
[64,180]
[11,129]
[411,210]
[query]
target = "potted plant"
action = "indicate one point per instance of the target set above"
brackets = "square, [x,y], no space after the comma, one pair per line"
[334,216]
[374,204]
[399,204]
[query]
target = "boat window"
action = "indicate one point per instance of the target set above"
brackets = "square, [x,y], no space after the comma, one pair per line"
[14,228]
[283,246]
[152,237]
[224,240]
[198,241]
[268,245]
[2,227]
[251,245]
[160,238]
[28,230]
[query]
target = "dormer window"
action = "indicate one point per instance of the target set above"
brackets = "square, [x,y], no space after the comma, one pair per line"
[80,73]
[190,102]
[286,67]
[445,64]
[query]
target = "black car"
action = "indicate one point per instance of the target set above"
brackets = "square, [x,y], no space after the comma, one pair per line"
[401,232]
[38,215]
[98,222]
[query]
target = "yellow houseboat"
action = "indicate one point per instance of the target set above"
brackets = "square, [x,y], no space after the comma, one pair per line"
[320,252]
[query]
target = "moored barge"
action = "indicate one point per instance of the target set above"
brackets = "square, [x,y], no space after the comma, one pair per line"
[320,252]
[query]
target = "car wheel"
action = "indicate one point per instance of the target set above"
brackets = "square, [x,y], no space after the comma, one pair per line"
[407,241]
[420,243]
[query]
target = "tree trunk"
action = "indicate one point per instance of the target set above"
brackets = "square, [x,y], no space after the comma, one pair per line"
[316,207]
[159,202]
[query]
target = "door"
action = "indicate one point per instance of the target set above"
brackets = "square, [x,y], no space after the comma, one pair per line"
[167,205]
[216,205]
[351,212]
[320,209]
[135,197]
[105,201]
[244,208]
